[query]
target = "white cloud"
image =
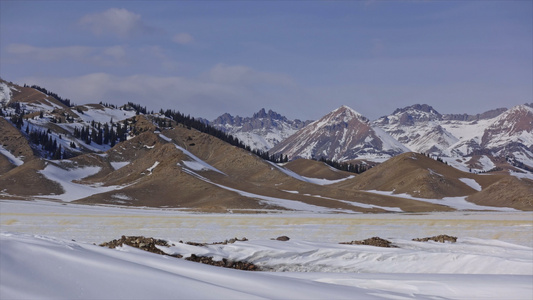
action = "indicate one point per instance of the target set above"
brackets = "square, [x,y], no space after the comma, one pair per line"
[243,92]
[118,21]
[183,38]
[48,54]
[117,52]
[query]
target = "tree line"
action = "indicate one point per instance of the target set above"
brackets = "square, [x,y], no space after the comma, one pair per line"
[52,94]
[357,168]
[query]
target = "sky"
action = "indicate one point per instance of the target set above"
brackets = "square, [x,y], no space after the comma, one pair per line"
[302,59]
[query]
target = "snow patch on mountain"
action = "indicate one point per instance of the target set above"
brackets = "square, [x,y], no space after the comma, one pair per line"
[119,164]
[5,93]
[196,164]
[17,161]
[67,179]
[458,203]
[471,183]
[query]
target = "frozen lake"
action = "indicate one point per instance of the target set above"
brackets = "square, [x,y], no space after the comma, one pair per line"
[492,259]
[96,224]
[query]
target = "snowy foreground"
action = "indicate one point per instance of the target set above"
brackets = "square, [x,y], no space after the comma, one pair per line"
[46,252]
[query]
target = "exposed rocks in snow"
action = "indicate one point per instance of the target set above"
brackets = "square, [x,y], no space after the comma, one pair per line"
[149,244]
[230,241]
[141,242]
[373,241]
[438,238]
[225,263]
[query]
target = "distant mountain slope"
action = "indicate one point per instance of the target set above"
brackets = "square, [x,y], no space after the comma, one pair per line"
[341,135]
[499,133]
[418,128]
[262,131]
[35,100]
[511,135]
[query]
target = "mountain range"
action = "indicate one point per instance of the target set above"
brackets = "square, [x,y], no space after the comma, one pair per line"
[480,142]
[105,154]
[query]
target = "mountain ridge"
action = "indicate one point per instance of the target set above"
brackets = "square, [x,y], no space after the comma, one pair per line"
[166,160]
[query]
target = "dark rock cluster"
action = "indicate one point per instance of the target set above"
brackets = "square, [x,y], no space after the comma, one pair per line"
[149,244]
[141,242]
[225,263]
[230,241]
[438,238]
[373,241]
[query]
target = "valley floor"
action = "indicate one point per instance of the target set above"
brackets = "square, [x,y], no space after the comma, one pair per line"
[47,251]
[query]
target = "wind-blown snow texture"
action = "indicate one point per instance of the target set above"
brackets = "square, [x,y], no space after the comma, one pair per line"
[45,267]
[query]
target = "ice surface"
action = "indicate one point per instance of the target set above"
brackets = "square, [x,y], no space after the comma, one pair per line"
[483,264]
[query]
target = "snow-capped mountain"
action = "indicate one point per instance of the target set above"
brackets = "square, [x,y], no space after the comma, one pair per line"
[511,135]
[262,131]
[496,133]
[418,128]
[343,134]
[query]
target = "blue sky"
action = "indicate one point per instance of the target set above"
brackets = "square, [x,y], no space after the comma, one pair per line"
[299,58]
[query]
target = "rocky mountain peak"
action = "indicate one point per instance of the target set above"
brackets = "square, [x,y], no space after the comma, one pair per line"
[346,113]
[413,114]
[262,114]
[417,107]
[226,119]
[261,131]
[341,135]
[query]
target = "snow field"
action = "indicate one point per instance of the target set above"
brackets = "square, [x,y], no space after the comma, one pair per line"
[96,224]
[46,252]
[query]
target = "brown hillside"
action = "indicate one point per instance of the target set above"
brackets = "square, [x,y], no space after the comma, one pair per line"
[165,185]
[170,184]
[416,175]
[316,169]
[26,181]
[507,192]
[32,96]
[14,141]
[158,174]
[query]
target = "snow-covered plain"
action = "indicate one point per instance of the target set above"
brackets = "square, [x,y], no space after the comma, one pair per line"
[47,252]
